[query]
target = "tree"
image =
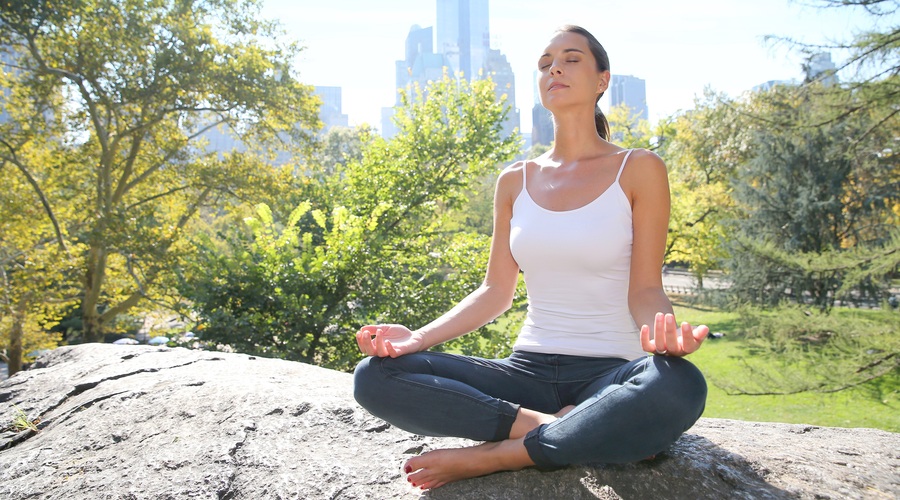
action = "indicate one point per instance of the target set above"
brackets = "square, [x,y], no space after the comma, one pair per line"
[703,148]
[811,191]
[132,88]
[373,249]
[871,71]
[628,129]
[818,202]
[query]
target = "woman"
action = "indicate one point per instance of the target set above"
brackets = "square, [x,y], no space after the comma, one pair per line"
[586,223]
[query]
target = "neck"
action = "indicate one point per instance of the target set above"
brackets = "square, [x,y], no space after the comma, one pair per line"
[575,137]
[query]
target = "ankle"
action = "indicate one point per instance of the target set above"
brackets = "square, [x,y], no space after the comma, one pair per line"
[527,420]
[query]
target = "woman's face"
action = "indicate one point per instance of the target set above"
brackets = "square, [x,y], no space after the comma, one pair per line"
[569,74]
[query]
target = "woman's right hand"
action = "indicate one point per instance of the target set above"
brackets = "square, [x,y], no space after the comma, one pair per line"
[388,340]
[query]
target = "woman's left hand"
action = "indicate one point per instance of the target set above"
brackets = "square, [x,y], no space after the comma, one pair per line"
[668,340]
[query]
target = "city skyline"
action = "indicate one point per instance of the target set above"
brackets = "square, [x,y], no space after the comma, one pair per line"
[677,50]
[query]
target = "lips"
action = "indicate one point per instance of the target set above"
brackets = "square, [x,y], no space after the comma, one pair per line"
[556,86]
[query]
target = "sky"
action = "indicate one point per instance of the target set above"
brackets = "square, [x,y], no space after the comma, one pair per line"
[678,47]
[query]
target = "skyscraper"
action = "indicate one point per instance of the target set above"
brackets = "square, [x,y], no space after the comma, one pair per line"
[820,67]
[331,113]
[463,49]
[630,91]
[498,69]
[7,58]
[464,39]
[463,35]
[541,119]
[420,66]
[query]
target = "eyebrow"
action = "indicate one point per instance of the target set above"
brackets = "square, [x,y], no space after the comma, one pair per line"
[564,51]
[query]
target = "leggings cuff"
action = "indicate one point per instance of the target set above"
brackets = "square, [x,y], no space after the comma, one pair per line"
[508,412]
[536,451]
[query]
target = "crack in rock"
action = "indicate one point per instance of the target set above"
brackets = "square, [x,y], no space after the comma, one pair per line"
[81,388]
[228,491]
[379,428]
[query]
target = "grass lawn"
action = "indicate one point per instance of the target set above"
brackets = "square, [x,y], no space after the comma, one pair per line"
[874,404]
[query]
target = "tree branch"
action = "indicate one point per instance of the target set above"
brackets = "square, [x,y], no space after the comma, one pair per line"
[40,193]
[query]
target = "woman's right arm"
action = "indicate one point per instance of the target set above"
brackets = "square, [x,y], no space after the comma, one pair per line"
[487,302]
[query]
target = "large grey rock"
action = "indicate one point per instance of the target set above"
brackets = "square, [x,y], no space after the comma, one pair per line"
[140,422]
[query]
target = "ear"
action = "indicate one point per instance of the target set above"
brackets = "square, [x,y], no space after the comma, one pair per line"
[603,82]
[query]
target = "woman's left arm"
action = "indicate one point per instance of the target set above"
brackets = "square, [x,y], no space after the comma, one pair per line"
[646,183]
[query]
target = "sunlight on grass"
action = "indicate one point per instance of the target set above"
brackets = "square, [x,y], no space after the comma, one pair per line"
[875,404]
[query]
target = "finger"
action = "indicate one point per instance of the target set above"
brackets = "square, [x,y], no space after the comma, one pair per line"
[646,344]
[364,340]
[659,328]
[391,350]
[700,334]
[672,335]
[380,349]
[688,343]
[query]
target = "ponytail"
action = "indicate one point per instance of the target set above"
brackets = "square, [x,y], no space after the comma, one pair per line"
[601,123]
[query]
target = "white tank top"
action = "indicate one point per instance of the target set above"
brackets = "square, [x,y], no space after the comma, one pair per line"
[577,265]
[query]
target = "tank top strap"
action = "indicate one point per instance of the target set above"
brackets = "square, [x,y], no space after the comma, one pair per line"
[524,173]
[622,167]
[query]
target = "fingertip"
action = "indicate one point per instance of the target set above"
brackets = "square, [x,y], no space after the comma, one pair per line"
[703,331]
[646,344]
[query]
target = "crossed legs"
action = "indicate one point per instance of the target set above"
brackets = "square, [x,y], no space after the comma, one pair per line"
[622,412]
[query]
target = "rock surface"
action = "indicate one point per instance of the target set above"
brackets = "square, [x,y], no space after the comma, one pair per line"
[134,422]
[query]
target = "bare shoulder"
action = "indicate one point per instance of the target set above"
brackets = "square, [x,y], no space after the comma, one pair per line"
[645,171]
[514,168]
[644,160]
[509,183]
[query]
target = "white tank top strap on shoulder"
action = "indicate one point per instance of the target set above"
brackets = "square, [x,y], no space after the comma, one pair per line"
[622,167]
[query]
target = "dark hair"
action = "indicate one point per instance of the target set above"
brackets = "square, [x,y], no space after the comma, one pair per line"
[602,59]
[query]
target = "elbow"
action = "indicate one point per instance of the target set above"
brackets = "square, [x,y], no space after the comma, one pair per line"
[642,295]
[500,297]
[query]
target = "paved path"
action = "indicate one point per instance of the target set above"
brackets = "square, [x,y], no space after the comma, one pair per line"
[680,279]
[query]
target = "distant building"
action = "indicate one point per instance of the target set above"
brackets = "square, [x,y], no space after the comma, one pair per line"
[541,125]
[462,48]
[769,85]
[6,63]
[630,91]
[541,119]
[464,39]
[498,69]
[420,66]
[819,67]
[331,112]
[463,35]
[221,139]
[388,128]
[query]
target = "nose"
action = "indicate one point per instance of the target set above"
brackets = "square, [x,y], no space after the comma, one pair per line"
[555,69]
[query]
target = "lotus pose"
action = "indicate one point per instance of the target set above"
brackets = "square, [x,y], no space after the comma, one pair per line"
[586,222]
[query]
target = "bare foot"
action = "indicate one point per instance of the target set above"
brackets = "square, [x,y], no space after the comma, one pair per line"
[437,468]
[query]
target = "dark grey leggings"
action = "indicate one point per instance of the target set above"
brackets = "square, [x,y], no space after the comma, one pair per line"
[625,411]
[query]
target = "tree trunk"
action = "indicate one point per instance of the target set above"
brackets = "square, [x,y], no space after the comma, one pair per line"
[14,351]
[92,328]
